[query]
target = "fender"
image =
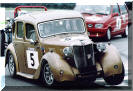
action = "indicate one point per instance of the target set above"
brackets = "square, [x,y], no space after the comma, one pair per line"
[111,61]
[12,50]
[57,64]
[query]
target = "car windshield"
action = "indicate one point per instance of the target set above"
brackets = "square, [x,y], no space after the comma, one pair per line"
[49,28]
[93,9]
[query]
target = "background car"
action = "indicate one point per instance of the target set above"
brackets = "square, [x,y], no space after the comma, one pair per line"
[105,20]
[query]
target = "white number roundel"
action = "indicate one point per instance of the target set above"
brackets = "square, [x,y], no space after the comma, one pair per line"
[118,23]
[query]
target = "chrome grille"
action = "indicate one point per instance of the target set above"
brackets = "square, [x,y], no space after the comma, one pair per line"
[84,57]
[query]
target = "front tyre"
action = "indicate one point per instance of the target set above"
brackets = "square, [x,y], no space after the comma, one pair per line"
[115,79]
[108,35]
[11,65]
[46,75]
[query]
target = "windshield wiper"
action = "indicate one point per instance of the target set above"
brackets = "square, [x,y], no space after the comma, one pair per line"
[101,13]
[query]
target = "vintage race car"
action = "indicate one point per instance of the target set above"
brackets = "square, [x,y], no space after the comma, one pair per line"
[105,21]
[54,46]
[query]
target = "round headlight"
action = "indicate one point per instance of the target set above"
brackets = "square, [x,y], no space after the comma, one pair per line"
[98,25]
[68,51]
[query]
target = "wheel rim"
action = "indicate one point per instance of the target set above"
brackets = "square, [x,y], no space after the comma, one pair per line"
[11,65]
[126,30]
[108,34]
[48,75]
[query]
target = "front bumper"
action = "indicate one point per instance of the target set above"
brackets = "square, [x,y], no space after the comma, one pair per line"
[90,75]
[93,32]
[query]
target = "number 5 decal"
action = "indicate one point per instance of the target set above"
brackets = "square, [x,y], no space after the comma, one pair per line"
[118,23]
[33,63]
[32,59]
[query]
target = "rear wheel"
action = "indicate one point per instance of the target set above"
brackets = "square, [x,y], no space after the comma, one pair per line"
[11,65]
[46,75]
[115,79]
[125,34]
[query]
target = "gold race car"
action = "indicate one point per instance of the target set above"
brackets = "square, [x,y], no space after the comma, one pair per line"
[54,46]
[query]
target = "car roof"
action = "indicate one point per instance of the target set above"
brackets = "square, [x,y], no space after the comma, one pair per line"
[37,17]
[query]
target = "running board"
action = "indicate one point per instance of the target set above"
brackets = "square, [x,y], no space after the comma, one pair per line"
[29,76]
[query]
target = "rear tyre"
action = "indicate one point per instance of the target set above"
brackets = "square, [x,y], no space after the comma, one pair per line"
[108,35]
[115,79]
[11,65]
[125,34]
[47,77]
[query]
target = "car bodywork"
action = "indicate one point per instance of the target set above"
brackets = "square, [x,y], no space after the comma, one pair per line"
[71,56]
[100,18]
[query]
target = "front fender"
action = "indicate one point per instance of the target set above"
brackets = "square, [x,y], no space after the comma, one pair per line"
[111,61]
[11,49]
[58,64]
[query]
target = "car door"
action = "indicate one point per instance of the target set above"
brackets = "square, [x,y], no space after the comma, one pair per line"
[32,50]
[19,45]
[117,20]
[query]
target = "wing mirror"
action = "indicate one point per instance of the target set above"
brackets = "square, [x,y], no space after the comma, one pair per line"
[115,14]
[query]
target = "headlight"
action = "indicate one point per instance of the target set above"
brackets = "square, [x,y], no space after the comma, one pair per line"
[90,25]
[101,47]
[68,51]
[98,25]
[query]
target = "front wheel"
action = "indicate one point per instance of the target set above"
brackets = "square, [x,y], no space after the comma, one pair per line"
[108,35]
[46,75]
[115,79]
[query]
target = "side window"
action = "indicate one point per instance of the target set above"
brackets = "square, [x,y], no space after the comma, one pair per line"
[20,32]
[116,9]
[30,32]
[123,9]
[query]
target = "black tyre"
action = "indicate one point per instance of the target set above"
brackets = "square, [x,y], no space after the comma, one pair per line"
[125,34]
[47,77]
[2,43]
[108,35]
[11,65]
[115,79]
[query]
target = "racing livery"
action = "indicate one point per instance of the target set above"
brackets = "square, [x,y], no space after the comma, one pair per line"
[54,46]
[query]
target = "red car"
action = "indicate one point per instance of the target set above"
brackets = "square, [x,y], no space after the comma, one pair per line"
[105,20]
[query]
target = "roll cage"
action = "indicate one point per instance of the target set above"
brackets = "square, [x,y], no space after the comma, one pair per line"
[19,9]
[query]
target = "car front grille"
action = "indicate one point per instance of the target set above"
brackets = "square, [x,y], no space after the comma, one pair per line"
[84,58]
